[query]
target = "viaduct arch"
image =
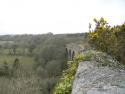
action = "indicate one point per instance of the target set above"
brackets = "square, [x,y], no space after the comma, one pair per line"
[72,49]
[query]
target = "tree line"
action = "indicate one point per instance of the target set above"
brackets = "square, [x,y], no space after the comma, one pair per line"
[48,54]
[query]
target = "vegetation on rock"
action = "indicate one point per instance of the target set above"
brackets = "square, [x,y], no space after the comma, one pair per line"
[64,86]
[108,39]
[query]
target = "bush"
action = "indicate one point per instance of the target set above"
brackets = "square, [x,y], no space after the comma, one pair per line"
[64,86]
[108,39]
[4,70]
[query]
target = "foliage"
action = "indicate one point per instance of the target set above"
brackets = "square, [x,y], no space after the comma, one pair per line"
[4,70]
[24,80]
[108,39]
[41,61]
[64,86]
[22,84]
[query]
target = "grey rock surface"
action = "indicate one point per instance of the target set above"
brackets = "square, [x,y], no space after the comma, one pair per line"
[90,79]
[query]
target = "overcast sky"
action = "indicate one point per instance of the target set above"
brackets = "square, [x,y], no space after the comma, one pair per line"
[57,16]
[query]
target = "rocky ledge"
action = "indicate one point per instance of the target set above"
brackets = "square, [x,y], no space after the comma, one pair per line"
[91,79]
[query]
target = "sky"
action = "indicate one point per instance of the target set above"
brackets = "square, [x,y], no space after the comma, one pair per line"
[57,16]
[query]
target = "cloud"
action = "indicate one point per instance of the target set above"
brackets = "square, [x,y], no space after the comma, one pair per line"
[57,16]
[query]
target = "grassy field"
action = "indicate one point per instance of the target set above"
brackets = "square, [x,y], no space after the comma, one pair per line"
[19,51]
[25,83]
[25,61]
[6,42]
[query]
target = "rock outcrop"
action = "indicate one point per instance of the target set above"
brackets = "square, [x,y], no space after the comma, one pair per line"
[91,79]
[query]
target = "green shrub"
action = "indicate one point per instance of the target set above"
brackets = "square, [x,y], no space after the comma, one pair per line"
[108,39]
[64,86]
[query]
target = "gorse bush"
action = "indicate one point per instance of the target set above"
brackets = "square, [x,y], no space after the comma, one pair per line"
[108,39]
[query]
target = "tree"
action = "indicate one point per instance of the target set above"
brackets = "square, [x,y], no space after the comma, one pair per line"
[31,48]
[4,71]
[16,68]
[14,48]
[6,68]
[54,68]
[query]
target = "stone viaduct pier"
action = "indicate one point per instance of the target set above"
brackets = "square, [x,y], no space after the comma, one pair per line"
[72,49]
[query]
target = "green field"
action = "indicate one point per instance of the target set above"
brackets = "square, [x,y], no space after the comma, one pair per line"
[6,42]
[26,80]
[25,61]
